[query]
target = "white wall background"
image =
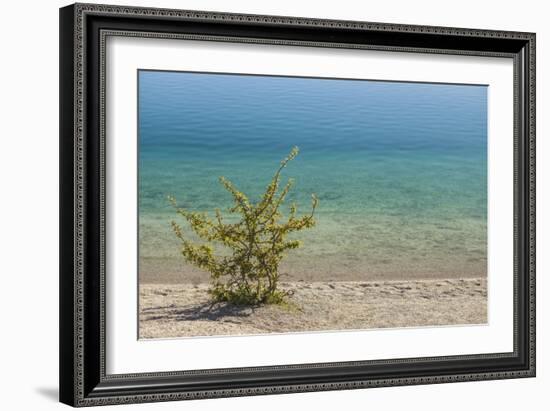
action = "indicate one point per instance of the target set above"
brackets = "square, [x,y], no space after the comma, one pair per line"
[29,204]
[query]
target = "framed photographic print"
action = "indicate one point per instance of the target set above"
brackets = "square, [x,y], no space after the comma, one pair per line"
[262,204]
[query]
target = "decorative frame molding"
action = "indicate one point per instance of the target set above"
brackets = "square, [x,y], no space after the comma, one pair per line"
[83,32]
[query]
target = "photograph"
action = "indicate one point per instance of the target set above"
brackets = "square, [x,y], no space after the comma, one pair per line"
[280,204]
[286,200]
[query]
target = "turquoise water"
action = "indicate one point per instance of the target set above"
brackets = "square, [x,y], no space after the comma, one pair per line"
[400,168]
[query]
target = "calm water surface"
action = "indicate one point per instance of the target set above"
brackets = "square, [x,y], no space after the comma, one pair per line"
[400,169]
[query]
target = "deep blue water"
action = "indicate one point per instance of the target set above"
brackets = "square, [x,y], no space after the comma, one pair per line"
[400,168]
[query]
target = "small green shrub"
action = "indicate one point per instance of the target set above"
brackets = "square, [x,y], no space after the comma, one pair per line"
[257,243]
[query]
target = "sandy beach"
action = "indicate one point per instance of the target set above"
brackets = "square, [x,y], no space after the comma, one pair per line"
[184,310]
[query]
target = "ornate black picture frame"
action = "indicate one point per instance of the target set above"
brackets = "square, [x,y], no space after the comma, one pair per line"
[83,30]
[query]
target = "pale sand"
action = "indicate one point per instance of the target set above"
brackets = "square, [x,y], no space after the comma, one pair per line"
[184,310]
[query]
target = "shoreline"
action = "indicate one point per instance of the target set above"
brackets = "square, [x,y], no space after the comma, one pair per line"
[175,271]
[184,310]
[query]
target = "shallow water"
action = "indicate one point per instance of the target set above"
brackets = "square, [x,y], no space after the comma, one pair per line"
[400,169]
